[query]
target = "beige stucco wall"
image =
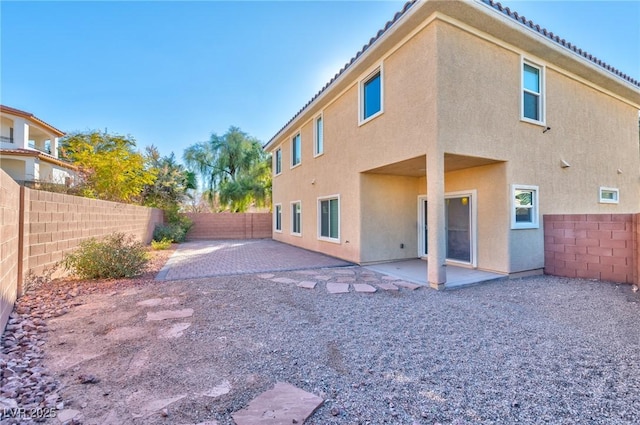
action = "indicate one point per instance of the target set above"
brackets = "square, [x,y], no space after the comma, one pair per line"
[449,86]
[389,218]
[398,134]
[593,131]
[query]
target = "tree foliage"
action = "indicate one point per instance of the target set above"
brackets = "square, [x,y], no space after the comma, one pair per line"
[112,169]
[172,183]
[235,171]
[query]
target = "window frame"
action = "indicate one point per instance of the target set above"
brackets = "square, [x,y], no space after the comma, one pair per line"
[293,203]
[318,137]
[541,95]
[328,238]
[378,69]
[298,136]
[277,159]
[614,190]
[535,207]
[277,217]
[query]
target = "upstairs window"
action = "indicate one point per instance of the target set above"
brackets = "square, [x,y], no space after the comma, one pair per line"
[532,92]
[371,96]
[296,155]
[278,161]
[319,133]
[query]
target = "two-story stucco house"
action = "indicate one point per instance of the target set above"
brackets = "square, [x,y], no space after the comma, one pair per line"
[29,149]
[449,136]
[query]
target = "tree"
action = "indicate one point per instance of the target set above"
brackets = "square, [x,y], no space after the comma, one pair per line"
[172,183]
[112,169]
[235,170]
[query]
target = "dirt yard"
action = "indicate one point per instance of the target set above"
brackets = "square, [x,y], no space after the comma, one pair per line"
[139,351]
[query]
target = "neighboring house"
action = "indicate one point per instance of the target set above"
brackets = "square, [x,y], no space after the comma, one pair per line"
[448,136]
[29,149]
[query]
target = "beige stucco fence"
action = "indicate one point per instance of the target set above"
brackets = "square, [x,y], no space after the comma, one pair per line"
[37,228]
[230,226]
[593,246]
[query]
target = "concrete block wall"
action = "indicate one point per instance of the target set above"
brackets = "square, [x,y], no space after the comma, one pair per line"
[592,246]
[56,224]
[37,228]
[9,245]
[230,226]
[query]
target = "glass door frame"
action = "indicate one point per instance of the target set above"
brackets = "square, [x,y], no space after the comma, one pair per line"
[473,226]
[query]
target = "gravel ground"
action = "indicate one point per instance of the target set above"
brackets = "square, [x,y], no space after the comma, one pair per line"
[534,350]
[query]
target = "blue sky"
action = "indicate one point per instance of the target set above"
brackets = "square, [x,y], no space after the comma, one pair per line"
[171,73]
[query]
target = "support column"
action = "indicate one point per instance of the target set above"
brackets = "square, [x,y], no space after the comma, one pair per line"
[21,133]
[437,274]
[54,146]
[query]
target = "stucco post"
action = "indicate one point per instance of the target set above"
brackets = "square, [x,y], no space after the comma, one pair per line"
[21,133]
[54,146]
[437,274]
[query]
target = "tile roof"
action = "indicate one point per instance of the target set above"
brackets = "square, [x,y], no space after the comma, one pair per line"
[560,41]
[497,6]
[29,115]
[38,154]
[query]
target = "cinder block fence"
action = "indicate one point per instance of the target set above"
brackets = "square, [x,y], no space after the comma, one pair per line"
[37,228]
[230,226]
[593,246]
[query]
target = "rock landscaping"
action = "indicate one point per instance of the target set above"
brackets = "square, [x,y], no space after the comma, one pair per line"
[206,351]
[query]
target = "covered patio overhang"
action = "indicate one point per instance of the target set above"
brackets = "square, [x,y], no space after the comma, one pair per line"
[417,167]
[433,166]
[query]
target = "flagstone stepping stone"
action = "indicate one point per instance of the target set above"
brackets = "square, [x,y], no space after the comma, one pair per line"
[153,302]
[387,286]
[284,280]
[390,278]
[307,284]
[266,275]
[126,332]
[284,404]
[169,314]
[218,390]
[321,277]
[370,279]
[175,331]
[66,415]
[138,364]
[346,279]
[337,288]
[144,408]
[307,272]
[363,287]
[407,285]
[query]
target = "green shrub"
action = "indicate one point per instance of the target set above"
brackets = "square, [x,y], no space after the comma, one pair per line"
[162,244]
[172,232]
[175,230]
[117,255]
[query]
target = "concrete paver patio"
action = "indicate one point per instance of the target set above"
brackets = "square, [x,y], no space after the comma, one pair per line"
[230,257]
